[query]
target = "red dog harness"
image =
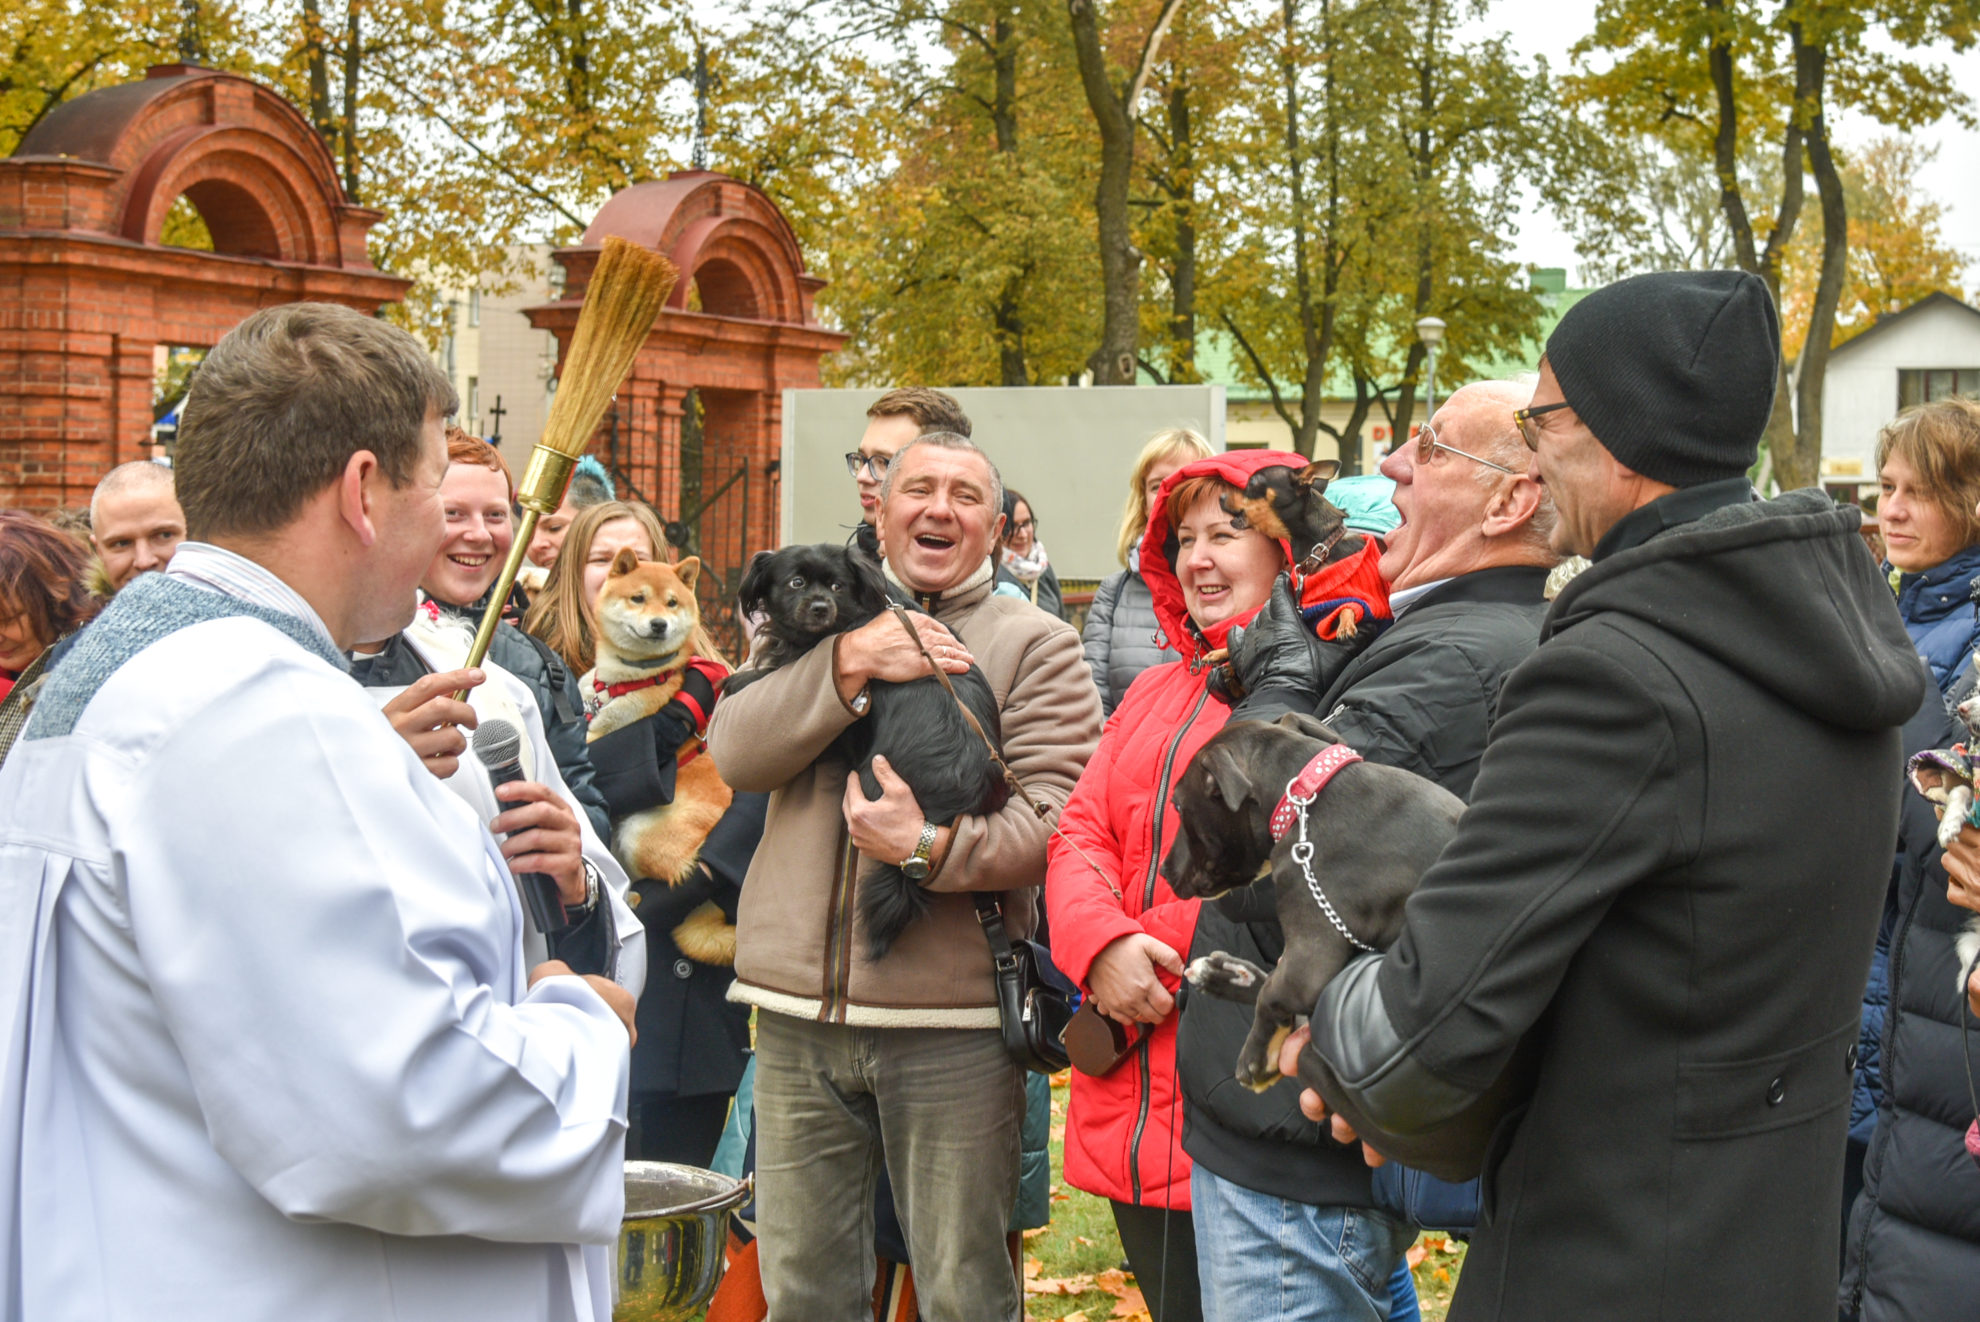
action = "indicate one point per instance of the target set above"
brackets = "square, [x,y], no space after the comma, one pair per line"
[709,670]
[1306,786]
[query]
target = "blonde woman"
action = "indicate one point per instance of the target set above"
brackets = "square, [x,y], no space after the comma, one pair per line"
[1121,635]
[692,1043]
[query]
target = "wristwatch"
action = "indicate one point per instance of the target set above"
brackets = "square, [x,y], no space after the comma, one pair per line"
[590,887]
[921,862]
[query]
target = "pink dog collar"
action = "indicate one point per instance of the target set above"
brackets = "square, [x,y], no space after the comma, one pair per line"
[1306,786]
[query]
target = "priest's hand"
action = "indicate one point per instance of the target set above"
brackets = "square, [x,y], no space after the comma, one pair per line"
[617,998]
[1310,1104]
[428,717]
[542,836]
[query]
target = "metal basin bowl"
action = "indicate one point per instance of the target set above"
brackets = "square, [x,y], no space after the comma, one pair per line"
[671,1242]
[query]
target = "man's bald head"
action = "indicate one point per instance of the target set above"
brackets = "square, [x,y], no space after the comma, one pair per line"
[135,520]
[1467,501]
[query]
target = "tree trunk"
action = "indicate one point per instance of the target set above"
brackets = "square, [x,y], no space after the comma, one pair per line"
[318,61]
[1182,281]
[1005,314]
[353,53]
[1814,366]
[1782,443]
[1120,261]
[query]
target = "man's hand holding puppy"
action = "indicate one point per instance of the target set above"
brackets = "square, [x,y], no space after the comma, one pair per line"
[888,828]
[880,649]
[1311,1105]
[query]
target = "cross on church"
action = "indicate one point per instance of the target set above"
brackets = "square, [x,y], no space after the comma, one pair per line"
[496,413]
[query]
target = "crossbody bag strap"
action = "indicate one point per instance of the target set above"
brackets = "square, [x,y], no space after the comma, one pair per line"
[996,758]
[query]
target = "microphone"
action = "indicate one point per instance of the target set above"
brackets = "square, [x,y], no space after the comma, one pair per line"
[498,745]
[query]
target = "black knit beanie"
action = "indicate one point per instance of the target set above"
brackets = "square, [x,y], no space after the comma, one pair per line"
[1674,372]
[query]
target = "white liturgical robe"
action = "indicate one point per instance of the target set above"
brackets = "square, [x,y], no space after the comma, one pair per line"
[270,1056]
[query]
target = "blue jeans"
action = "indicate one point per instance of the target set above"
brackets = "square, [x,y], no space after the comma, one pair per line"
[1267,1259]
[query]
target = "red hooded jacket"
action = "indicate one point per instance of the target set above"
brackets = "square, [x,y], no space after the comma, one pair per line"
[1123,1131]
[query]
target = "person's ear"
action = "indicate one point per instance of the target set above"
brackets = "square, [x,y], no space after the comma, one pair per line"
[359,488]
[1512,507]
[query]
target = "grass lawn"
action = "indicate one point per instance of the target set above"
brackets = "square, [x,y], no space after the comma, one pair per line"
[1077,1258]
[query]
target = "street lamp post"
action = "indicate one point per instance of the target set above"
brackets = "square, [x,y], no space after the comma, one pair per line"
[1430,330]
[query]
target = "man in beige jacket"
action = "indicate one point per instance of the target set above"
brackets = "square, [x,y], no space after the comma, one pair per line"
[907,1050]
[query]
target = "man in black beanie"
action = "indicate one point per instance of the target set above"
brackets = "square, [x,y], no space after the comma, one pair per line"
[1627,992]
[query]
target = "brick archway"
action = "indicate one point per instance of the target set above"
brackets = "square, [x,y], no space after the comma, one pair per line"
[87,292]
[698,427]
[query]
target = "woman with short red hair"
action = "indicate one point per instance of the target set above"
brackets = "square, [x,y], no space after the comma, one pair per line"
[43,599]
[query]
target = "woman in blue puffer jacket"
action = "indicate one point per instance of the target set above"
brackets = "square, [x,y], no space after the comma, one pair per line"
[1906,1263]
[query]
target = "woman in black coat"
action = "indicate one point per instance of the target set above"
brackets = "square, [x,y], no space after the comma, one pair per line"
[693,1043]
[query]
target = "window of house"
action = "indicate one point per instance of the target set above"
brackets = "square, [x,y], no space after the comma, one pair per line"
[1922,385]
[474,405]
[474,307]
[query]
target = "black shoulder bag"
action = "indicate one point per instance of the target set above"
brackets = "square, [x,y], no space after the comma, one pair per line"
[1034,999]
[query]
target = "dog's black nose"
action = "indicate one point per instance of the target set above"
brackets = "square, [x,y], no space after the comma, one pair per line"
[819,611]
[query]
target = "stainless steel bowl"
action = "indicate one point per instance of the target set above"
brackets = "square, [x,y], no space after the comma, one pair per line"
[672,1240]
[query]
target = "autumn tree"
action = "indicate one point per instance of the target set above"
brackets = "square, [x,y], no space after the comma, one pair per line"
[1719,79]
[1897,252]
[1113,89]
[1379,179]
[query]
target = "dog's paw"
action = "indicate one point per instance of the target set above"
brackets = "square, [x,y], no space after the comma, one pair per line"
[1260,1073]
[1226,977]
[1959,807]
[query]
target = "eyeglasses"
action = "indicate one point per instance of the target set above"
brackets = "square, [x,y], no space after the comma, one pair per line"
[1523,419]
[874,464]
[1028,525]
[1427,444]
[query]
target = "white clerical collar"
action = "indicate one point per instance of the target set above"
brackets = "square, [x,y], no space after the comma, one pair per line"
[216,569]
[1403,600]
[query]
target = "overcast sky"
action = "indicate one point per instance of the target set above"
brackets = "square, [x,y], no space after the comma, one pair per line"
[1550,27]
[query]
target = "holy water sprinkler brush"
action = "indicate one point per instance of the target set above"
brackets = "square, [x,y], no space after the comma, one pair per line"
[627,289]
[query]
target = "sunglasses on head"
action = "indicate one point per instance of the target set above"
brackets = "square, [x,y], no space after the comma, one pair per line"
[1427,445]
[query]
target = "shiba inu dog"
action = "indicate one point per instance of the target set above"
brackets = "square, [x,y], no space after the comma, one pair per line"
[647,618]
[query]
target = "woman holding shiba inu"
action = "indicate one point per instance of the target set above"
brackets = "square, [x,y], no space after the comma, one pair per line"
[632,625]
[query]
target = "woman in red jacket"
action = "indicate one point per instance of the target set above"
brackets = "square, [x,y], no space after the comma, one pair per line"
[1122,935]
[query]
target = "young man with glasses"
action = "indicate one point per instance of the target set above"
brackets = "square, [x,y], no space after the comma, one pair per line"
[893,420]
[1466,568]
[1638,965]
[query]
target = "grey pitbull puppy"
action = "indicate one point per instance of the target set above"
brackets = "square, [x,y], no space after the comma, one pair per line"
[1374,829]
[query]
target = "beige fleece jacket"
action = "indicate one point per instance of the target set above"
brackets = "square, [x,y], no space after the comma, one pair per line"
[796,949]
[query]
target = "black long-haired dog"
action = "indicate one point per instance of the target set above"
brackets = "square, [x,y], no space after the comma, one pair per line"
[806,594]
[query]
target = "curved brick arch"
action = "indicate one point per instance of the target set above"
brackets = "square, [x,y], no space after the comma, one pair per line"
[754,335]
[87,292]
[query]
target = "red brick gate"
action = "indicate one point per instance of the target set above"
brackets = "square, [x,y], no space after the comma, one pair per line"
[697,430]
[87,292]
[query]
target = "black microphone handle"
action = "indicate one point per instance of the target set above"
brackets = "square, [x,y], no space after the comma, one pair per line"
[541,896]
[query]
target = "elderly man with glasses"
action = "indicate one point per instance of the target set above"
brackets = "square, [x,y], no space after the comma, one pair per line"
[1466,570]
[1628,989]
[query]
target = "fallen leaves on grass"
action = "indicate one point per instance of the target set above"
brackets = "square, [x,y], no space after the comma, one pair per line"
[1422,1249]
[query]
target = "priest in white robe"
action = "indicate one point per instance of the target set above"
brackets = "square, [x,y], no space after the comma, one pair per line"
[271,1051]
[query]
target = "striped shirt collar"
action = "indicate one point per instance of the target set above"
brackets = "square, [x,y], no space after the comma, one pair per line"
[205,565]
